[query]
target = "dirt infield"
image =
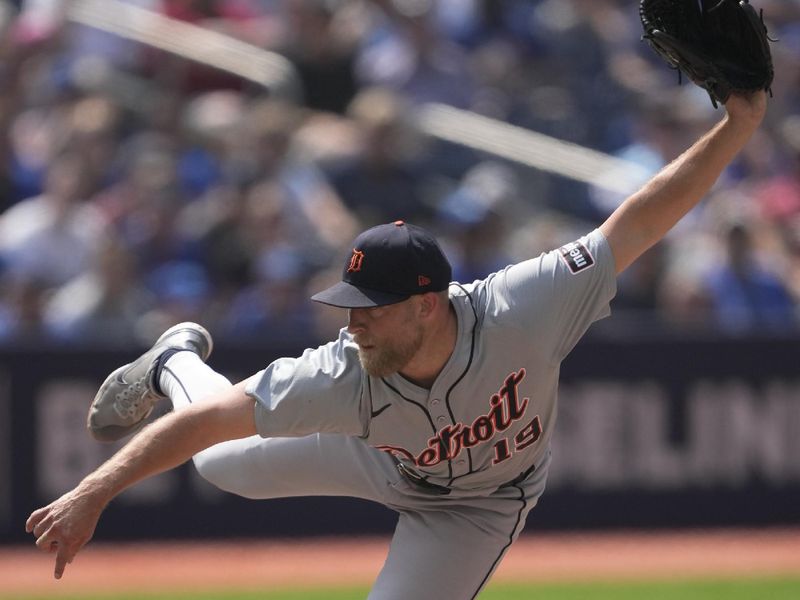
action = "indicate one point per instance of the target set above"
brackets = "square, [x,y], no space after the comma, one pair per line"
[543,558]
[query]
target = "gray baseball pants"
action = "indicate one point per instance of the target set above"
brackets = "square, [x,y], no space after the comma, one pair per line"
[443,548]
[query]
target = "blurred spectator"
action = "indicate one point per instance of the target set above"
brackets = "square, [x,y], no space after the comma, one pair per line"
[35,137]
[383,182]
[220,224]
[745,294]
[22,301]
[314,213]
[275,305]
[638,299]
[656,137]
[779,196]
[472,218]
[52,238]
[404,51]
[323,51]
[142,207]
[276,299]
[181,290]
[209,123]
[103,303]
[92,132]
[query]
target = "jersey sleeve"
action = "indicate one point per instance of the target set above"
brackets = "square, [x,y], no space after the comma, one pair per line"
[317,392]
[556,297]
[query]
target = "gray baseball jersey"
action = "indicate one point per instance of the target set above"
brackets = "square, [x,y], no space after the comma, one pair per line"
[489,416]
[462,463]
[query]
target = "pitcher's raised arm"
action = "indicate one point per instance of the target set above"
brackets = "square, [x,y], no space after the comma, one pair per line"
[646,216]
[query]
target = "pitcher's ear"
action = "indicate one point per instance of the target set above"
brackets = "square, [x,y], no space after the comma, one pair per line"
[428,303]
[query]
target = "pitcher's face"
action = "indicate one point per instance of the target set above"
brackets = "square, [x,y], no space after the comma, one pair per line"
[388,337]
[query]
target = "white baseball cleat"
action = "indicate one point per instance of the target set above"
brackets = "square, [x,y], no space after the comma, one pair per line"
[128,395]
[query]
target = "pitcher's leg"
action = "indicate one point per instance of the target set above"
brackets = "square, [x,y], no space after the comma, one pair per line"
[186,379]
[255,467]
[441,555]
[314,465]
[128,395]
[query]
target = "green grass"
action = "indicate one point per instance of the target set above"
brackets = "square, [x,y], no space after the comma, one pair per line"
[730,589]
[767,589]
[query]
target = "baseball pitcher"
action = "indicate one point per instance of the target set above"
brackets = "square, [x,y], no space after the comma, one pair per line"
[437,400]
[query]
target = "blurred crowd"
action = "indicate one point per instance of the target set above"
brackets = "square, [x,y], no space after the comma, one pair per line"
[138,188]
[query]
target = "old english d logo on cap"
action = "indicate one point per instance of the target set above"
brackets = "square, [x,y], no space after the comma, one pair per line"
[356,261]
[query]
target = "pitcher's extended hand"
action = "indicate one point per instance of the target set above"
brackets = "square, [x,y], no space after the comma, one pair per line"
[65,525]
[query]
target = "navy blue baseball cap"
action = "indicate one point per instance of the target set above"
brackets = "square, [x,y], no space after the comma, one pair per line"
[389,263]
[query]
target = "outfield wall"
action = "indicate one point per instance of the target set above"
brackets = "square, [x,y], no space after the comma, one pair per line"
[656,433]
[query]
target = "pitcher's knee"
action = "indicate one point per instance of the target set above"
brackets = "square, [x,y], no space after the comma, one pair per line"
[226,467]
[216,470]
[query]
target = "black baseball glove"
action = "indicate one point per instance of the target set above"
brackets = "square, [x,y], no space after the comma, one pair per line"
[721,45]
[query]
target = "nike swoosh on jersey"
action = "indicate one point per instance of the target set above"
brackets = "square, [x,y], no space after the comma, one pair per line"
[375,413]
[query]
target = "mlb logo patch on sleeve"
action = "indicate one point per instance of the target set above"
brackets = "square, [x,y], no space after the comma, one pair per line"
[576,256]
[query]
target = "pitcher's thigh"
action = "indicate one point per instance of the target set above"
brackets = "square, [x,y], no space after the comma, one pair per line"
[438,555]
[315,465]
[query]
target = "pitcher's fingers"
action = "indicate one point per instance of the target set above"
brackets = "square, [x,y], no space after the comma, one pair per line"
[63,558]
[35,517]
[42,526]
[44,542]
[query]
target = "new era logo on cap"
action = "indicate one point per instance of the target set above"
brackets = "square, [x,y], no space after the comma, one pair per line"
[388,264]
